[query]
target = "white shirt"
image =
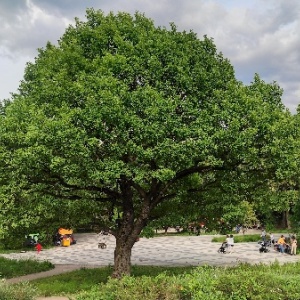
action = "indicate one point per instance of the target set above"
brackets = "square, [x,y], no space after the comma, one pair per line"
[230,241]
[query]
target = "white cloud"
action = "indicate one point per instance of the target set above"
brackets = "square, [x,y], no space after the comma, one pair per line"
[11,74]
[30,29]
[257,36]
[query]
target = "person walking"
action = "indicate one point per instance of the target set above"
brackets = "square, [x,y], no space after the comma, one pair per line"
[293,245]
[230,242]
[272,239]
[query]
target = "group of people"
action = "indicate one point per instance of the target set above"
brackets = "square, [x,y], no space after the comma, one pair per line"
[240,228]
[282,244]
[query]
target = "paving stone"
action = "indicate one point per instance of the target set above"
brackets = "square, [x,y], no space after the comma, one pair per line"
[166,251]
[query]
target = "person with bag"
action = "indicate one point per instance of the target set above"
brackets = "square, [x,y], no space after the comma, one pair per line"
[293,245]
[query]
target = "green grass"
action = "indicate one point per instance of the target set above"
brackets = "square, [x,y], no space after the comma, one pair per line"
[150,282]
[10,268]
[239,238]
[22,291]
[84,279]
[279,230]
[244,282]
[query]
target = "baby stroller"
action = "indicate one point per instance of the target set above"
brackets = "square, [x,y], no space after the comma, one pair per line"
[103,235]
[287,248]
[268,243]
[31,240]
[223,247]
[263,247]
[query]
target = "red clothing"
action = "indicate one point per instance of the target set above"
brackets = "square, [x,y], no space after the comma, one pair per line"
[38,247]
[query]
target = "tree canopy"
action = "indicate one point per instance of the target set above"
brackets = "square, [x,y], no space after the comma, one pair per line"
[130,118]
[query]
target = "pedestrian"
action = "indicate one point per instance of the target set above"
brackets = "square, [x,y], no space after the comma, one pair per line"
[272,239]
[244,229]
[230,242]
[197,229]
[263,235]
[293,245]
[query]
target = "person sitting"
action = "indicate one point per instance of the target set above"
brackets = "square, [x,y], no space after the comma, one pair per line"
[281,244]
[225,243]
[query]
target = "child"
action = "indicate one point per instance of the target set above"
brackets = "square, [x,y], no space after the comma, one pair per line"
[38,247]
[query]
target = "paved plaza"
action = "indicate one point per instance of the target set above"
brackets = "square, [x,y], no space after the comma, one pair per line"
[158,251]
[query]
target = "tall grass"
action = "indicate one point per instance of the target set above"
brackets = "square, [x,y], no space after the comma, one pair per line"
[22,291]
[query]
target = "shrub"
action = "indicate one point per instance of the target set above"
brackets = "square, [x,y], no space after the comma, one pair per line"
[200,284]
[130,288]
[261,282]
[21,291]
[244,281]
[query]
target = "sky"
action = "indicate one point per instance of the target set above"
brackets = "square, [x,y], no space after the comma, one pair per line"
[257,36]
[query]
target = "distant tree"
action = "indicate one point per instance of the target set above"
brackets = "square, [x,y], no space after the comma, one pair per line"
[134,117]
[278,201]
[240,214]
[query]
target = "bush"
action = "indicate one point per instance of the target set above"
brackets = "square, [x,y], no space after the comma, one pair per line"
[131,288]
[200,284]
[244,281]
[261,282]
[21,291]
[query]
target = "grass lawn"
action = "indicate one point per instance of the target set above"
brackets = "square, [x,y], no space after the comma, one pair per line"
[238,238]
[85,279]
[13,268]
[245,281]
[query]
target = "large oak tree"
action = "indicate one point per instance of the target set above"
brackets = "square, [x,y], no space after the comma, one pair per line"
[133,116]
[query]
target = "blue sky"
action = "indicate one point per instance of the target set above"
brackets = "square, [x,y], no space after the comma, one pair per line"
[258,36]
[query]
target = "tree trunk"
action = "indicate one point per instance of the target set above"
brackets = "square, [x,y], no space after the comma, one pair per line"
[126,237]
[128,231]
[286,219]
[122,258]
